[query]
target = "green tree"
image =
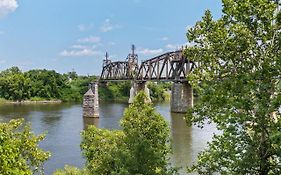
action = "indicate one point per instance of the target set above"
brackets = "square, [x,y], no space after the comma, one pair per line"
[69,170]
[46,83]
[239,63]
[115,91]
[18,87]
[10,71]
[140,148]
[158,91]
[72,75]
[75,89]
[103,150]
[146,135]
[19,149]
[13,85]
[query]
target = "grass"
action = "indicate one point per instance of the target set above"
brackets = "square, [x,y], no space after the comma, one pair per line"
[2,100]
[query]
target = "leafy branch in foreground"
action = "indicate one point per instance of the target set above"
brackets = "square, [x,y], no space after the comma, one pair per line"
[238,82]
[19,149]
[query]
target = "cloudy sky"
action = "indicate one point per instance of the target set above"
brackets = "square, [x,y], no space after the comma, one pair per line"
[75,34]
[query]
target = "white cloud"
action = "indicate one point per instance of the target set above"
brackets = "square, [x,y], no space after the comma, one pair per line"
[79,53]
[165,38]
[108,26]
[7,6]
[3,61]
[150,51]
[90,39]
[85,27]
[177,46]
[173,46]
[78,46]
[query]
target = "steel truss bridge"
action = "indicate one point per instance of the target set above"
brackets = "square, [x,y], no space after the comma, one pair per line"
[170,66]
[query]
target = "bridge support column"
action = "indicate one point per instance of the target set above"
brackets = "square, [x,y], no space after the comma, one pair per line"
[136,88]
[181,97]
[91,101]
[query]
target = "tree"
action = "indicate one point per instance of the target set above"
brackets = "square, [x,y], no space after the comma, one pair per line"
[72,75]
[69,170]
[103,150]
[46,83]
[146,135]
[19,149]
[140,148]
[239,63]
[18,87]
[13,85]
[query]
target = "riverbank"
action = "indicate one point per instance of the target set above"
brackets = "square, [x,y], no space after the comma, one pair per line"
[4,101]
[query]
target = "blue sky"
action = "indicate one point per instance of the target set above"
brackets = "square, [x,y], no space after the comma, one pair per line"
[75,34]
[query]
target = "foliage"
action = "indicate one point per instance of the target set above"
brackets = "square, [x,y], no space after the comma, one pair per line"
[13,85]
[103,150]
[116,91]
[146,135]
[139,149]
[42,84]
[19,149]
[70,170]
[159,90]
[72,75]
[120,91]
[46,84]
[239,68]
[76,88]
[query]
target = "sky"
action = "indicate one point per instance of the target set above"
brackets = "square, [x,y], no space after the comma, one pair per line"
[66,35]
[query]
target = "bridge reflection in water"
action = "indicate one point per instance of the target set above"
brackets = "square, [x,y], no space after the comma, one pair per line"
[181,136]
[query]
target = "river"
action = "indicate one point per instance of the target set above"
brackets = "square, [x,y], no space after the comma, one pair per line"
[64,122]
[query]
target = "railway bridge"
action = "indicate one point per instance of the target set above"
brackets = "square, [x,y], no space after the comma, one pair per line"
[170,66]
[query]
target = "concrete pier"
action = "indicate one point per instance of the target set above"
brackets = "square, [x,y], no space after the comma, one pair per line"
[136,88]
[181,97]
[91,101]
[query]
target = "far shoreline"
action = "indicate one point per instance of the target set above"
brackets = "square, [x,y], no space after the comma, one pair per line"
[31,102]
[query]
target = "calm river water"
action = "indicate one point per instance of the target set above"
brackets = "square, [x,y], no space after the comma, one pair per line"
[64,122]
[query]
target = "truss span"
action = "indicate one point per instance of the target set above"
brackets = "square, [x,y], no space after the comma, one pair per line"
[116,71]
[171,66]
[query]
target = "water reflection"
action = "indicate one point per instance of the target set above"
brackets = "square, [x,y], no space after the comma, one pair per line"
[14,111]
[110,114]
[64,123]
[181,141]
[87,121]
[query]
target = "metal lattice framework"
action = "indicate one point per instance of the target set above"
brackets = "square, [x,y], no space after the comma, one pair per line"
[118,70]
[171,66]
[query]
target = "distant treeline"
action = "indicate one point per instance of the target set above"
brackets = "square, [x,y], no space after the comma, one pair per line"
[42,84]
